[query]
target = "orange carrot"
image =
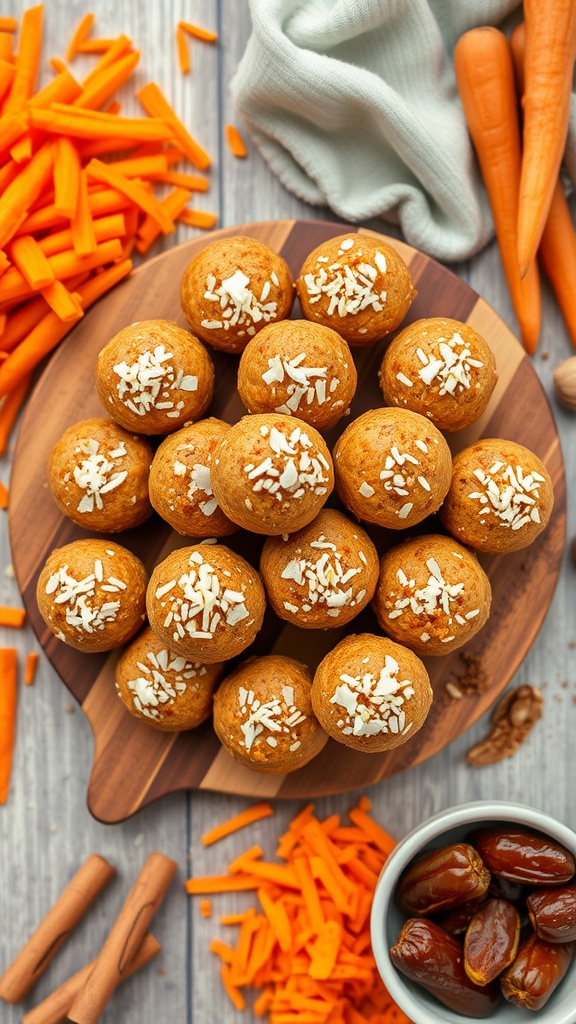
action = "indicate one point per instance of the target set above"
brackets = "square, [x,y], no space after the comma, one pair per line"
[13,285]
[3,496]
[198,219]
[95,46]
[107,81]
[62,89]
[104,173]
[548,69]
[221,883]
[30,669]
[8,24]
[235,141]
[325,951]
[6,46]
[12,617]
[236,997]
[485,78]
[113,108]
[7,72]
[81,32]
[105,228]
[157,106]
[66,177]
[193,182]
[7,717]
[182,51]
[28,257]
[41,340]
[225,952]
[28,59]
[198,33]
[84,240]
[206,908]
[141,167]
[99,203]
[10,408]
[63,302]
[149,230]
[377,835]
[67,120]
[57,65]
[119,47]
[247,817]
[22,193]
[12,126]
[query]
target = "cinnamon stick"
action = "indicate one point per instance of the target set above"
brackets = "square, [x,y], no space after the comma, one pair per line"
[124,938]
[54,1008]
[45,942]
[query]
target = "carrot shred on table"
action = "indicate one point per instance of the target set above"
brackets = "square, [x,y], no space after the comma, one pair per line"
[149,229]
[14,617]
[183,51]
[66,177]
[80,34]
[95,45]
[28,258]
[82,230]
[8,24]
[105,84]
[198,33]
[198,219]
[235,995]
[156,105]
[206,908]
[3,495]
[235,142]
[27,59]
[7,717]
[62,302]
[247,817]
[30,668]
[57,64]
[120,46]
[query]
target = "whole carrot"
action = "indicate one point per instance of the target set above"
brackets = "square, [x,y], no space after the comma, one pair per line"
[548,67]
[485,77]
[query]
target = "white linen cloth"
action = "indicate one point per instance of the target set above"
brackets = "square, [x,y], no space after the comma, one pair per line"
[354,104]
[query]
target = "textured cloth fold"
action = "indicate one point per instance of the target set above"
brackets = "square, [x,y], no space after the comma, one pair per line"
[354,104]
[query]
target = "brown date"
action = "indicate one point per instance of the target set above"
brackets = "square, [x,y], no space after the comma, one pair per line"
[553,913]
[427,955]
[443,879]
[538,968]
[491,941]
[523,857]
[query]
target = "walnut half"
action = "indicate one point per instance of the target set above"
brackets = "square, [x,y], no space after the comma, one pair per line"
[512,722]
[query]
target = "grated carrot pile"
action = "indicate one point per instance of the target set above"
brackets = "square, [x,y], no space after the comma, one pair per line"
[69,161]
[306,950]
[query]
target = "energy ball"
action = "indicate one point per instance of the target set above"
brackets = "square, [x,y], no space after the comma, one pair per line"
[98,475]
[181,483]
[322,576]
[393,468]
[370,693]
[272,474]
[432,594]
[92,594]
[263,715]
[232,289]
[299,369]
[205,603]
[501,496]
[164,689]
[357,285]
[442,369]
[153,377]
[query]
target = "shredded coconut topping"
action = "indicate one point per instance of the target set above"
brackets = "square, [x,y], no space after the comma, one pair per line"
[293,468]
[373,704]
[509,495]
[200,480]
[163,677]
[86,610]
[352,286]
[451,366]
[98,474]
[277,717]
[322,580]
[306,383]
[149,383]
[436,598]
[199,600]
[399,477]
[237,303]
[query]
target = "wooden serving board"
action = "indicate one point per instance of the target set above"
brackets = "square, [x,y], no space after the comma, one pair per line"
[133,763]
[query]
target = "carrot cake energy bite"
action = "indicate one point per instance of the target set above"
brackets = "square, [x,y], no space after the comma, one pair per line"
[98,475]
[432,594]
[357,285]
[153,377]
[299,369]
[92,594]
[501,496]
[370,693]
[323,575]
[232,289]
[393,468]
[442,369]
[263,715]
[272,474]
[205,603]
[164,689]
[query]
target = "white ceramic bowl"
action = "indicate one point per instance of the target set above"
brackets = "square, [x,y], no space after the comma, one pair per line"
[386,920]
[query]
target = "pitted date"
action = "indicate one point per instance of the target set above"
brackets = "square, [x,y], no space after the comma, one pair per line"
[443,879]
[523,857]
[491,941]
[427,955]
[537,970]
[553,913]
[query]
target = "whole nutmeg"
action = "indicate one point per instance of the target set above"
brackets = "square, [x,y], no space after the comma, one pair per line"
[565,383]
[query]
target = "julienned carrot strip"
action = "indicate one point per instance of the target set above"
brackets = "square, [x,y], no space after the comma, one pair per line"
[19,325]
[8,24]
[100,203]
[236,997]
[278,920]
[82,231]
[100,147]
[15,617]
[113,108]
[102,282]
[365,804]
[81,32]
[485,77]
[21,151]
[63,302]
[4,262]
[376,834]
[23,192]
[62,89]
[28,257]
[95,46]
[221,883]
[156,105]
[141,167]
[548,69]
[7,717]
[105,228]
[240,962]
[76,124]
[225,952]
[3,496]
[325,951]
[149,230]
[57,65]
[198,219]
[7,174]
[13,285]
[102,87]
[28,59]
[247,817]
[254,853]
[277,874]
[12,126]
[41,340]
[119,47]
[7,72]
[6,46]
[198,33]
[183,51]
[206,908]
[193,182]
[235,142]
[103,172]
[30,669]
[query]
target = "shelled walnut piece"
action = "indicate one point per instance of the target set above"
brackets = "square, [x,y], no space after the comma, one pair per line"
[512,722]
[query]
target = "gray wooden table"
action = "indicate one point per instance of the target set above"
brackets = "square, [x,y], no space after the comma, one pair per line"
[45,829]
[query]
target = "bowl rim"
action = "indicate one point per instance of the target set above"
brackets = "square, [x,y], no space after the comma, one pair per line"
[407,849]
